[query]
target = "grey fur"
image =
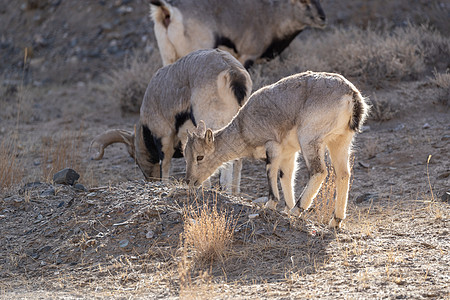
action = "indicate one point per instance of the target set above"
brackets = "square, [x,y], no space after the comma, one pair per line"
[308,111]
[203,82]
[249,29]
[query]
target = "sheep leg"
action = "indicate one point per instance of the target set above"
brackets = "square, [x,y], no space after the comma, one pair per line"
[273,160]
[287,176]
[236,183]
[226,173]
[339,152]
[166,154]
[314,155]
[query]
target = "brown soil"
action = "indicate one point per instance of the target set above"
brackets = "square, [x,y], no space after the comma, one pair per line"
[121,237]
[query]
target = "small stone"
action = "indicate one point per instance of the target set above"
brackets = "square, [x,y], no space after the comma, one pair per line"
[31,185]
[107,26]
[426,126]
[48,192]
[43,263]
[364,165]
[45,249]
[61,204]
[123,243]
[443,175]
[93,194]
[79,187]
[366,197]
[399,127]
[253,216]
[67,176]
[124,9]
[445,197]
[261,200]
[150,234]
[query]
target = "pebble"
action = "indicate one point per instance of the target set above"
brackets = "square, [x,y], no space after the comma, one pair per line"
[261,200]
[79,187]
[399,127]
[445,197]
[150,234]
[66,176]
[426,126]
[31,185]
[253,216]
[124,9]
[364,165]
[123,243]
[49,192]
[366,197]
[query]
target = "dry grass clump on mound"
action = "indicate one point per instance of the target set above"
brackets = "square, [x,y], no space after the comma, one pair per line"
[207,232]
[11,170]
[127,85]
[370,55]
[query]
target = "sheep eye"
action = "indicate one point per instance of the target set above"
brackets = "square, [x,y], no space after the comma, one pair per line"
[200,157]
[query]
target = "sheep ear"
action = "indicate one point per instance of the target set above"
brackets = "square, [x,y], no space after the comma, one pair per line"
[209,137]
[189,134]
[201,129]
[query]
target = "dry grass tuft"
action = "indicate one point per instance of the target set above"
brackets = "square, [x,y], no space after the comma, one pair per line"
[127,85]
[322,207]
[63,151]
[442,80]
[11,170]
[382,110]
[207,233]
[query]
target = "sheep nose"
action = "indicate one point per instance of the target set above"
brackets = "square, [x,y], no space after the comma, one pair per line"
[187,181]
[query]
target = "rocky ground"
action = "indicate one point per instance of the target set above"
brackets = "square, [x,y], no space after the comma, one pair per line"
[117,236]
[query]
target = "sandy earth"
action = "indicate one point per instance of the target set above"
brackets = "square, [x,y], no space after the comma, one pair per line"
[120,238]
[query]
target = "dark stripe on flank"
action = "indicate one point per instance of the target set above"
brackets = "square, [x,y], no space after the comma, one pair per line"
[156,2]
[181,118]
[224,41]
[238,86]
[178,151]
[153,156]
[278,45]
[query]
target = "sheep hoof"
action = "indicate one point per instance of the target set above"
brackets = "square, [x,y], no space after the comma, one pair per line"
[271,205]
[297,211]
[335,223]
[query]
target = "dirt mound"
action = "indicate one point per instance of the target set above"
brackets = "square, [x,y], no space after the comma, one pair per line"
[112,240]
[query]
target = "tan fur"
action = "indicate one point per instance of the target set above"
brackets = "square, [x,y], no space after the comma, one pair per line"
[310,112]
[197,85]
[251,26]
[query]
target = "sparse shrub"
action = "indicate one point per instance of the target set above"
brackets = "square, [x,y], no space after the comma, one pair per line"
[442,80]
[61,152]
[11,170]
[373,56]
[381,110]
[127,85]
[207,232]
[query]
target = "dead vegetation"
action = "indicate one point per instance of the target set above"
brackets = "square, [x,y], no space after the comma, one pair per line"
[11,169]
[128,83]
